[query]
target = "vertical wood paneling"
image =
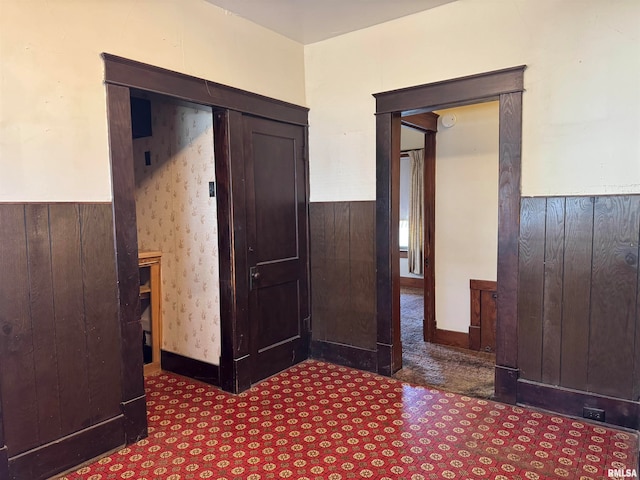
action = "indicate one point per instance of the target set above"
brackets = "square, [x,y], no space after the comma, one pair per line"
[613,295]
[362,272]
[71,343]
[43,322]
[552,309]
[19,401]
[576,291]
[101,312]
[318,284]
[531,287]
[343,273]
[341,327]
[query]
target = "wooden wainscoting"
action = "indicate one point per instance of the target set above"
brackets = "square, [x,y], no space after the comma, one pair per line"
[59,337]
[578,304]
[343,282]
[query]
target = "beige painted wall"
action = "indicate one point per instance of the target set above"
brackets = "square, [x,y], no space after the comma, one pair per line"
[53,128]
[581,105]
[176,216]
[466,210]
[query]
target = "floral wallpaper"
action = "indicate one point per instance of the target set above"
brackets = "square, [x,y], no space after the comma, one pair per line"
[176,216]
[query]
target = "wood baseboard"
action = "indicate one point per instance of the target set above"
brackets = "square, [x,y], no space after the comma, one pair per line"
[451,338]
[347,355]
[135,419]
[411,282]
[506,383]
[189,367]
[618,411]
[60,455]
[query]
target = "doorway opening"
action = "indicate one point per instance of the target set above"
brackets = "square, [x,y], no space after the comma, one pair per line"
[506,86]
[451,188]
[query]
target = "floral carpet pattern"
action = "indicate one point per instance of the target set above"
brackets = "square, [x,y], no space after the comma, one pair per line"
[322,421]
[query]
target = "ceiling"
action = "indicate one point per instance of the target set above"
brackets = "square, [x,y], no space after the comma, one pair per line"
[310,21]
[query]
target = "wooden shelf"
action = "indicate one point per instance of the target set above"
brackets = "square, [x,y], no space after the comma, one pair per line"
[150,274]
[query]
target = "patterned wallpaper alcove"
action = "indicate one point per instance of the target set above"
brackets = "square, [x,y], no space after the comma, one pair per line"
[176,216]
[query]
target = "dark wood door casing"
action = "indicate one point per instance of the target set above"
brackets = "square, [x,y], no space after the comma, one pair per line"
[229,104]
[507,87]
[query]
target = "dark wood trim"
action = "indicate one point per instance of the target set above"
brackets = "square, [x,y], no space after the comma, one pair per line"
[133,410]
[483,87]
[346,355]
[384,288]
[132,74]
[126,243]
[618,411]
[429,283]
[427,122]
[488,285]
[60,455]
[403,254]
[451,338]
[4,462]
[411,282]
[507,86]
[506,384]
[190,367]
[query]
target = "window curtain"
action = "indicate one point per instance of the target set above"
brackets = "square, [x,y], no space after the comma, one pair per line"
[416,212]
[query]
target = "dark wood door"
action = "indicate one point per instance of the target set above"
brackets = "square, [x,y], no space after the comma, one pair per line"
[276,202]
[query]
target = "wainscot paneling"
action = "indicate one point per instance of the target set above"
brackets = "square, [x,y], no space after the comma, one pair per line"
[578,315]
[60,376]
[343,282]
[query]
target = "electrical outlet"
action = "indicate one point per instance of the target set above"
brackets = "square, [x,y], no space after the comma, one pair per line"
[593,413]
[212,189]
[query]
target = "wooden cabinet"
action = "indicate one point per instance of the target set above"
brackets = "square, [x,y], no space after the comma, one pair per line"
[151,308]
[482,331]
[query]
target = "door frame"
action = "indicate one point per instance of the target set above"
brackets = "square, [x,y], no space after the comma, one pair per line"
[506,86]
[228,104]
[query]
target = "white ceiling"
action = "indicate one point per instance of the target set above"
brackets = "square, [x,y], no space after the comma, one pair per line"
[309,21]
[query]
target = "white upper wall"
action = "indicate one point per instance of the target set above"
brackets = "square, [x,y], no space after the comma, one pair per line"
[581,106]
[53,122]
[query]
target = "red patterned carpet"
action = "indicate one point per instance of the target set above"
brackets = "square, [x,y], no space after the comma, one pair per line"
[321,421]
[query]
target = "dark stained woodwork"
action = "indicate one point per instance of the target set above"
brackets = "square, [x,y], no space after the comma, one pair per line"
[100,307]
[129,73]
[347,355]
[19,390]
[423,121]
[52,458]
[576,291]
[384,226]
[618,411]
[506,383]
[507,86]
[614,289]
[482,328]
[578,304]
[429,287]
[126,247]
[451,338]
[552,308]
[483,87]
[510,146]
[276,195]
[531,287]
[412,282]
[343,277]
[396,335]
[43,321]
[58,262]
[190,367]
[66,267]
[234,320]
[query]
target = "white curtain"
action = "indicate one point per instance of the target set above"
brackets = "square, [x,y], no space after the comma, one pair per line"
[416,212]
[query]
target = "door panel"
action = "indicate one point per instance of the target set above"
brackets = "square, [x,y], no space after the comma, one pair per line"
[276,202]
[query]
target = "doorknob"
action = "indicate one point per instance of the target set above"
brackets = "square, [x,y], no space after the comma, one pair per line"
[254,275]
